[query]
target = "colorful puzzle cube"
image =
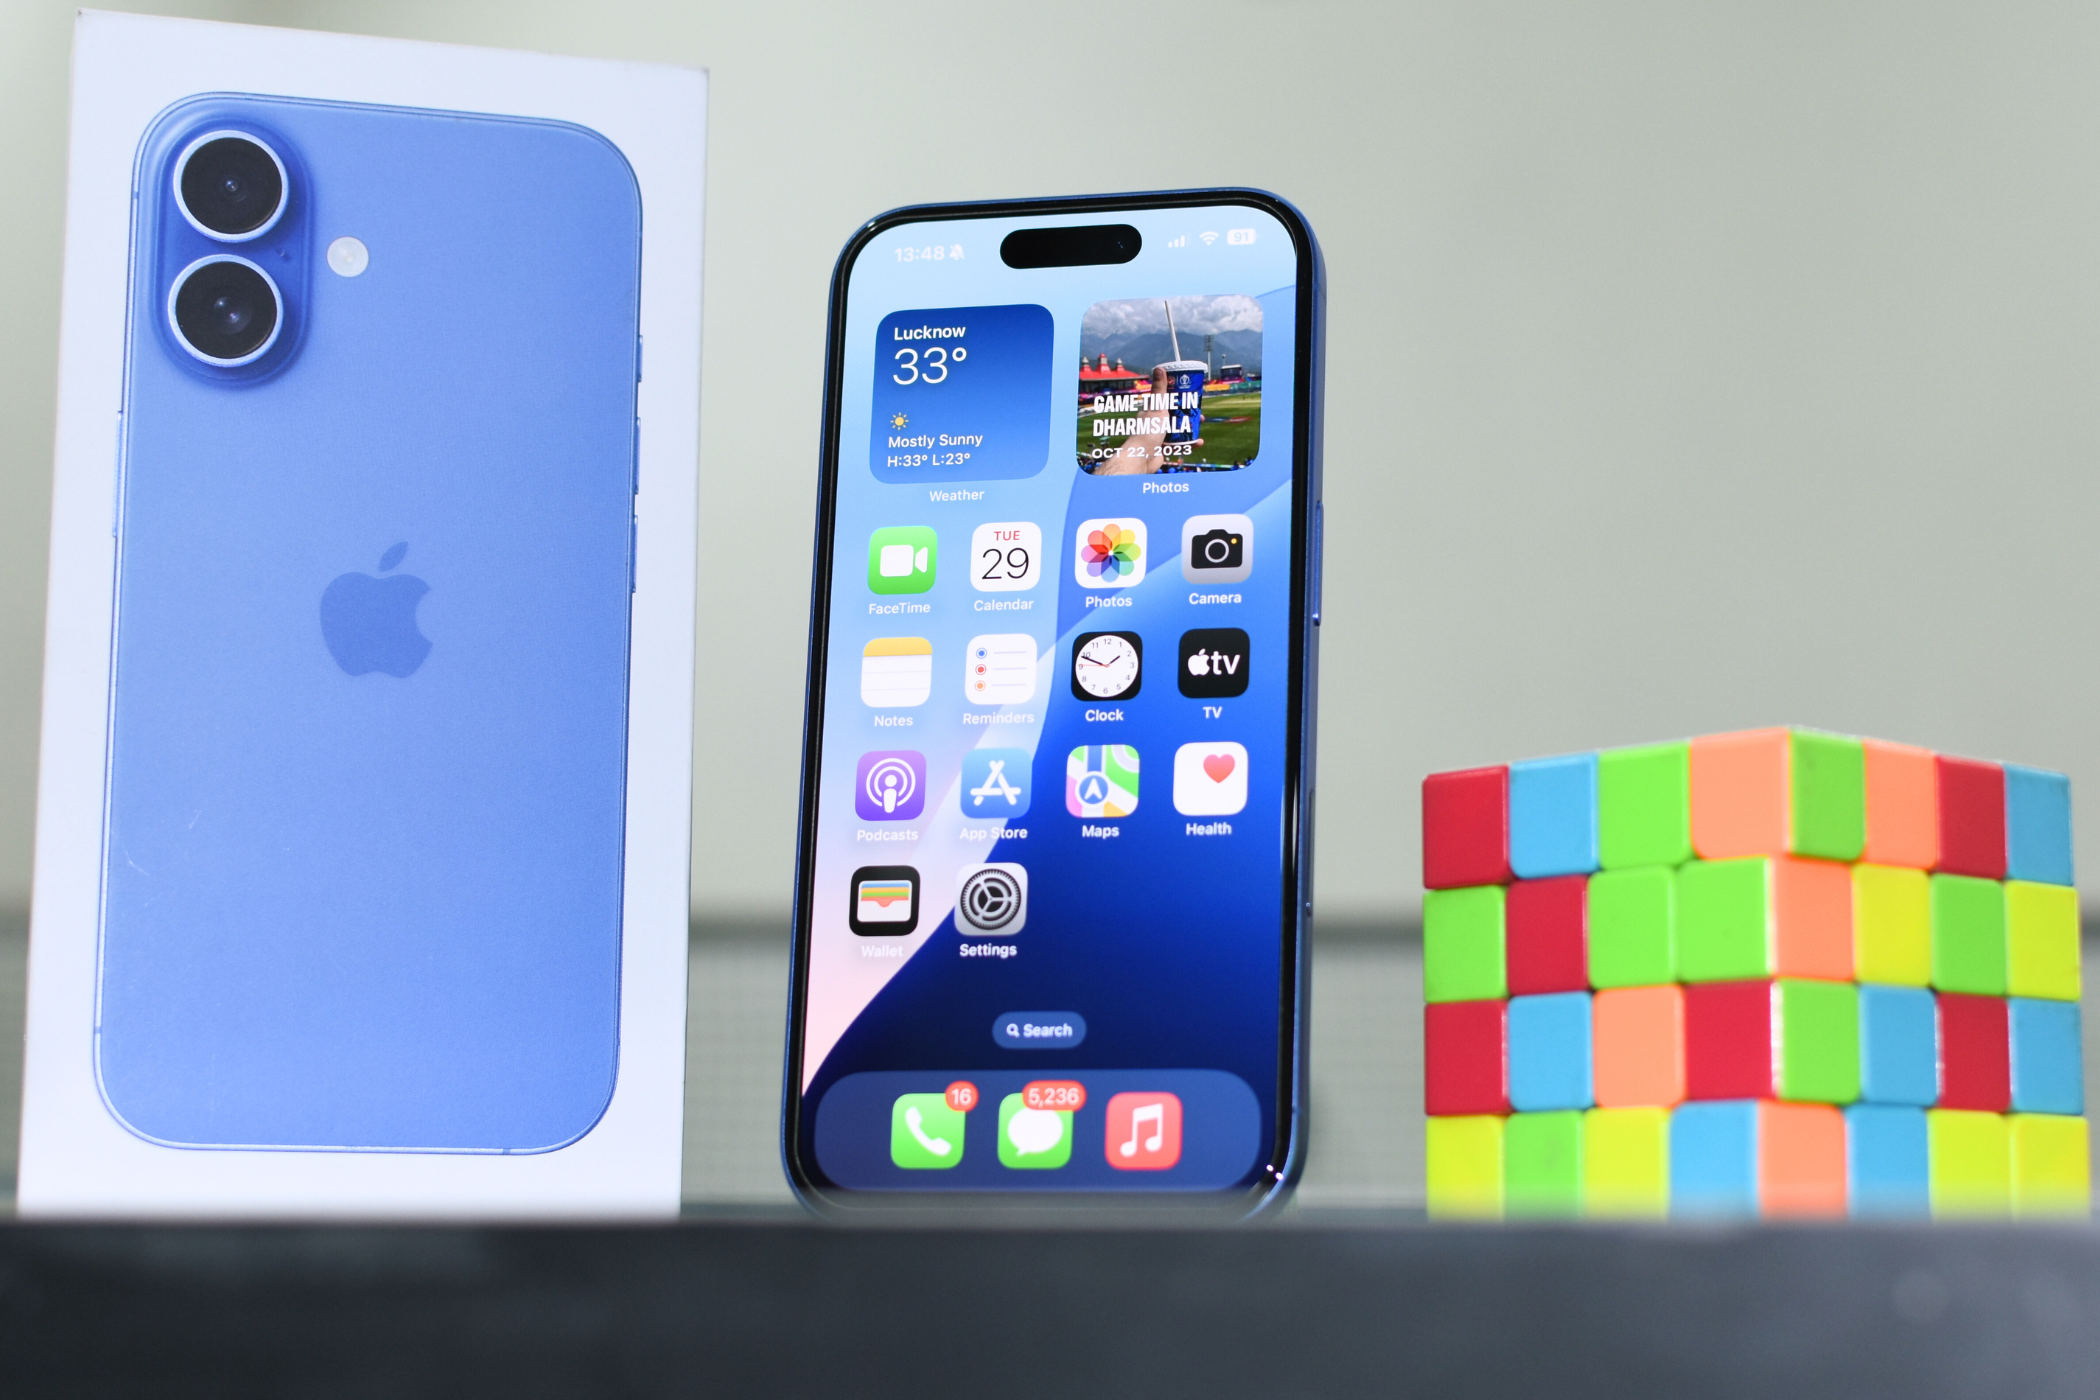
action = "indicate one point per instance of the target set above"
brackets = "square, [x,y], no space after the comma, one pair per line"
[1778,972]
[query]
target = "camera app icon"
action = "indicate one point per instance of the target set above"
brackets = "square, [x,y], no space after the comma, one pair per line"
[1217,548]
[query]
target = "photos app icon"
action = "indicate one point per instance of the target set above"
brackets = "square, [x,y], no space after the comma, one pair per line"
[1109,553]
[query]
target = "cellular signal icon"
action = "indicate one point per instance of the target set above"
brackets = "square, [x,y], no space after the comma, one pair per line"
[1209,236]
[1179,242]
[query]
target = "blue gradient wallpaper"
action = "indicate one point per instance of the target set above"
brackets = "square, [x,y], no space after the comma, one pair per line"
[1135,890]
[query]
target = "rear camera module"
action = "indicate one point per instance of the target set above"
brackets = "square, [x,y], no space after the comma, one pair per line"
[225,311]
[230,186]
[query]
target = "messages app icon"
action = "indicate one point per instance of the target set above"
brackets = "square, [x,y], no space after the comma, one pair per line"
[903,558]
[1033,1137]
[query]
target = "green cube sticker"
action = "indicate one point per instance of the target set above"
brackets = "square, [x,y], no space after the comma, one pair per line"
[1968,935]
[903,558]
[1633,927]
[1829,773]
[925,1134]
[1644,806]
[1724,921]
[1818,1041]
[1462,957]
[1033,1138]
[1542,1163]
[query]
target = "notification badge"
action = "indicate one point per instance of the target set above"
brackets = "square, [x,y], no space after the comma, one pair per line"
[1144,1132]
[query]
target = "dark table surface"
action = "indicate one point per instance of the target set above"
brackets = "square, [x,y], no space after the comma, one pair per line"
[1335,1307]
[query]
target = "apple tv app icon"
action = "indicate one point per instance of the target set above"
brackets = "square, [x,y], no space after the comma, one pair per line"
[369,622]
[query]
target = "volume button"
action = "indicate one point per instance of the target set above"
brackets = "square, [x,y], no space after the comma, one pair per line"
[634,454]
[116,478]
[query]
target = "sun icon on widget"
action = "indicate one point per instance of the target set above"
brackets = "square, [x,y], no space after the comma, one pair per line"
[898,420]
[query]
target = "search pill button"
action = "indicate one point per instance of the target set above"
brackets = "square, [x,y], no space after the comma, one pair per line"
[1039,1030]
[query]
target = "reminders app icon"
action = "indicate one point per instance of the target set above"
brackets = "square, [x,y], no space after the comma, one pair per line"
[884,900]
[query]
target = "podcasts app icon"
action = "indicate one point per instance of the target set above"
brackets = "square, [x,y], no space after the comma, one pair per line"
[890,785]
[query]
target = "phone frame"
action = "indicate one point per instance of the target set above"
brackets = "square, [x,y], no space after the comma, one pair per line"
[1285,1159]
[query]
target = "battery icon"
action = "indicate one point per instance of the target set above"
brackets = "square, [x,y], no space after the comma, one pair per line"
[1239,235]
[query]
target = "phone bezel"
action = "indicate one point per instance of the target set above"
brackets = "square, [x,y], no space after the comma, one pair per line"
[1285,1157]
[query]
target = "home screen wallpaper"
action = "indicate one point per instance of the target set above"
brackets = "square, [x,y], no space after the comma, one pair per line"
[1045,947]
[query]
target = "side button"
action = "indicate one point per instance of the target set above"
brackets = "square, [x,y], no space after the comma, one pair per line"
[1319,558]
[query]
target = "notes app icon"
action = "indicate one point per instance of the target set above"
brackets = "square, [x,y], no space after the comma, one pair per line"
[896,672]
[1144,1132]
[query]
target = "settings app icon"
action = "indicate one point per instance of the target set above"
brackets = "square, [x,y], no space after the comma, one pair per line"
[991,900]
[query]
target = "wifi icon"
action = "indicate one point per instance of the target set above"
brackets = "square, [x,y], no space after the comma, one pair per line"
[1208,236]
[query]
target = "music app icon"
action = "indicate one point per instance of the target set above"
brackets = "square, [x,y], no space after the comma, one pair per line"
[1144,1132]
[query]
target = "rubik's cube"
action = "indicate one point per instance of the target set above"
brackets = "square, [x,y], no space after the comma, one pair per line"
[1772,973]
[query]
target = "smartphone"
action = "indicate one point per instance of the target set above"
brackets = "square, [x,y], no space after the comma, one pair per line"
[1054,876]
[374,519]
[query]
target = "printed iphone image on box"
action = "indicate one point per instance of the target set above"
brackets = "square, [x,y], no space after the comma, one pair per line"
[341,884]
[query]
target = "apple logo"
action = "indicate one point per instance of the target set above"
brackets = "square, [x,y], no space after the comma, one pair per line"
[370,623]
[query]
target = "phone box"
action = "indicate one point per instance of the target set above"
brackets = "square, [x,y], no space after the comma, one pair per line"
[362,836]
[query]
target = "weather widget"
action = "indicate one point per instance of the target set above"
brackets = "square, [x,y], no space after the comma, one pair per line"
[961,394]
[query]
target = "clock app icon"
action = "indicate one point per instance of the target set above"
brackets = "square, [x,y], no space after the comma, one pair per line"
[1106,665]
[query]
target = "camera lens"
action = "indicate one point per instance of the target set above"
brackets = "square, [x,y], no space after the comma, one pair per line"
[225,310]
[231,186]
[1216,549]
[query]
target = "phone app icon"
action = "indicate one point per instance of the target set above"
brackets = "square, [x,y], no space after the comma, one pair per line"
[883,901]
[1144,1132]
[1109,553]
[995,782]
[1006,557]
[903,558]
[890,785]
[1213,663]
[896,672]
[1210,780]
[1033,1138]
[1101,780]
[991,900]
[1217,548]
[1107,665]
[999,669]
[925,1133]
